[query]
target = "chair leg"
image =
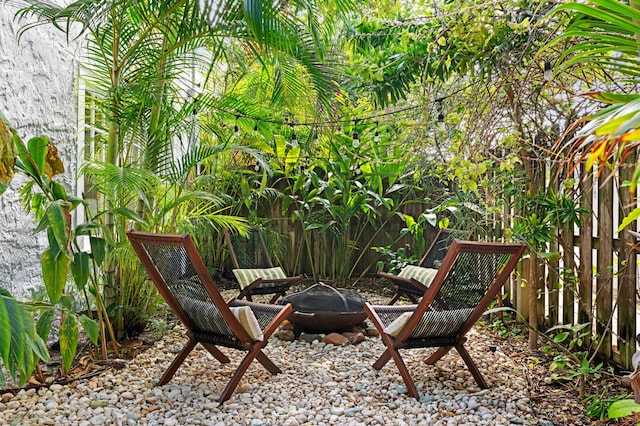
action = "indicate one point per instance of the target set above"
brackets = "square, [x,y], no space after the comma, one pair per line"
[275,297]
[217,354]
[267,363]
[382,361]
[404,372]
[242,368]
[394,299]
[177,361]
[472,366]
[439,353]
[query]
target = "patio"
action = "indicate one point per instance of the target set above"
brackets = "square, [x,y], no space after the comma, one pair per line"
[320,384]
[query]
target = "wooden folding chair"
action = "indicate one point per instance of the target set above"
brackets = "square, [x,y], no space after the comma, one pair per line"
[470,277]
[407,283]
[253,268]
[181,277]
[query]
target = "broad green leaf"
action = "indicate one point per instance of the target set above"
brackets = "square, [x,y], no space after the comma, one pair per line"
[3,187]
[629,219]
[68,339]
[58,222]
[39,349]
[86,228]
[5,335]
[43,326]
[80,269]
[59,193]
[90,327]
[129,214]
[17,333]
[561,337]
[554,255]
[281,146]
[38,150]
[623,408]
[98,249]
[54,272]
[25,162]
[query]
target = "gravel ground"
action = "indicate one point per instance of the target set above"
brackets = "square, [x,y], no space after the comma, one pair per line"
[320,385]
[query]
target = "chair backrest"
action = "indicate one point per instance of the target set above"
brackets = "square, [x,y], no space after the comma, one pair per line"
[248,252]
[181,277]
[440,245]
[470,277]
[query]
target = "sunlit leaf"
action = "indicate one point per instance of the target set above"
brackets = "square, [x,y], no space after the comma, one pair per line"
[54,272]
[68,339]
[90,327]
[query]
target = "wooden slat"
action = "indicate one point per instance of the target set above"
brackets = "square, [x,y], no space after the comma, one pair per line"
[586,255]
[627,276]
[604,282]
[569,285]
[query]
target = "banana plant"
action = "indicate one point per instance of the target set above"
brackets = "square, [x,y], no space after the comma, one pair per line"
[38,161]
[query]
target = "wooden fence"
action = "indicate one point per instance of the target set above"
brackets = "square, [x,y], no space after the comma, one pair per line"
[594,280]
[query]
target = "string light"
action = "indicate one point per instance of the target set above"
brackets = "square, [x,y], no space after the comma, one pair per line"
[294,137]
[547,71]
[356,138]
[236,130]
[440,115]
[376,137]
[255,127]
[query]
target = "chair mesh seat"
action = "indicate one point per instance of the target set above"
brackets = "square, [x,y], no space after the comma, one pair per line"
[178,272]
[468,280]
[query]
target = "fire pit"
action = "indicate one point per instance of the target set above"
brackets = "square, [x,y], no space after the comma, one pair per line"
[322,308]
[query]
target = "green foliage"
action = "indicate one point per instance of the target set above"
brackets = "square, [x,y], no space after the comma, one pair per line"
[21,345]
[598,404]
[623,408]
[393,260]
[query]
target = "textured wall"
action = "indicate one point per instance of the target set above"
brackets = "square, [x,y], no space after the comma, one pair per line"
[37,95]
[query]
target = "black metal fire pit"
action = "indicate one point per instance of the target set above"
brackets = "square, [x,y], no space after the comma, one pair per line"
[322,308]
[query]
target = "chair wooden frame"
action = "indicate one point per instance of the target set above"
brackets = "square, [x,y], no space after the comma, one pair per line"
[238,338]
[276,286]
[495,278]
[411,288]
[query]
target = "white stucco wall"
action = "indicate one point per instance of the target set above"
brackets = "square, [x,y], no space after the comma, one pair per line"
[37,95]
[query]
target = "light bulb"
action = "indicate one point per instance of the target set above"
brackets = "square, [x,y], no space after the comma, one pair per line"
[376,137]
[236,131]
[547,71]
[356,140]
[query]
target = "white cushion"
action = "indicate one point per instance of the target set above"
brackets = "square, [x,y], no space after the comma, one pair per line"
[443,323]
[418,273]
[248,320]
[247,276]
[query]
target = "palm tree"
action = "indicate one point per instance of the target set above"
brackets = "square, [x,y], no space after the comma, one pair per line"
[141,58]
[605,34]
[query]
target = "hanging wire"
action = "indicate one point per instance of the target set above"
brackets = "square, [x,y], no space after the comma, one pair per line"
[345,120]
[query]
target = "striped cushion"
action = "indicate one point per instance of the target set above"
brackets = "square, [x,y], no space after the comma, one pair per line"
[248,321]
[247,276]
[418,273]
[432,323]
